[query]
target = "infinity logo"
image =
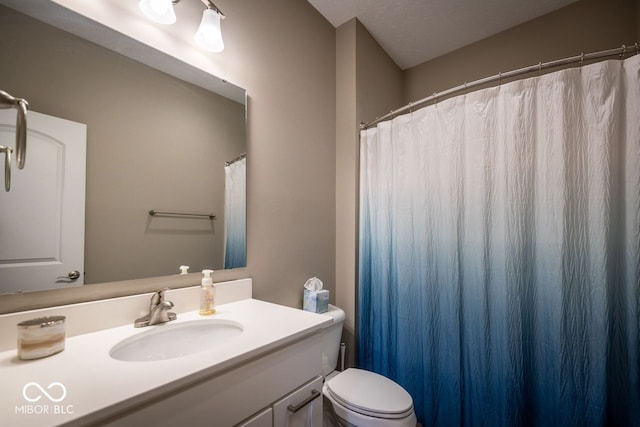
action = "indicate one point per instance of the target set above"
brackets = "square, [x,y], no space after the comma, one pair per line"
[29,386]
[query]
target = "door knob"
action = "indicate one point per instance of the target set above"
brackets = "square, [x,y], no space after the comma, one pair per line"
[73,275]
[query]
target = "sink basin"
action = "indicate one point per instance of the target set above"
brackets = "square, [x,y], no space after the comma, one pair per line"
[171,340]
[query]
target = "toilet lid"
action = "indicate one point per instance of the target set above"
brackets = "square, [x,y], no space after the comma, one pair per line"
[371,394]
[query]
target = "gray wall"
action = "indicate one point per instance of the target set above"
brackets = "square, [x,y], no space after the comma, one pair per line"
[583,26]
[367,83]
[286,61]
[153,142]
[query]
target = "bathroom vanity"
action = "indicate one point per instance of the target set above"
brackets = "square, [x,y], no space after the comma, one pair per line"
[268,374]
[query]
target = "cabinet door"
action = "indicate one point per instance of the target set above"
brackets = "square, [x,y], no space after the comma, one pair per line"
[301,408]
[262,419]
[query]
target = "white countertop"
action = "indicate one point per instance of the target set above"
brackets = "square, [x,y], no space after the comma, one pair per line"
[95,382]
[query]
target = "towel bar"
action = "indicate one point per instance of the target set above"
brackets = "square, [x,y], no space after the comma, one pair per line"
[154,212]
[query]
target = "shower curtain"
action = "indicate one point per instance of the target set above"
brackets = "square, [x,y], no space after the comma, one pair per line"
[500,252]
[235,214]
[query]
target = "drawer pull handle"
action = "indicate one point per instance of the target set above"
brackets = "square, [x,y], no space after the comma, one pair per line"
[314,394]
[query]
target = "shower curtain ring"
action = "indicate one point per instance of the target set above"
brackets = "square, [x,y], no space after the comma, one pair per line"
[624,51]
[581,59]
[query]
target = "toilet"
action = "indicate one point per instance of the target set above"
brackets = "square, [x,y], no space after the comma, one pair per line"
[361,398]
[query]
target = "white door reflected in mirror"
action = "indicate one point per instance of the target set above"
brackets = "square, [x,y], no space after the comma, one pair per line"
[47,198]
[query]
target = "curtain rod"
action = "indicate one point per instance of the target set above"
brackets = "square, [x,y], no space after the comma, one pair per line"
[240,157]
[623,50]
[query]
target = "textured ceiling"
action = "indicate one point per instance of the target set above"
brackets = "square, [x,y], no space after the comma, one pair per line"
[414,31]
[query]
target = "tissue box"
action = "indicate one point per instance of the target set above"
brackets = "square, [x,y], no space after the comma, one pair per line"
[316,301]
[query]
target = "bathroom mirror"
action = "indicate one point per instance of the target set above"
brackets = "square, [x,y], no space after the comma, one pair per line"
[153,142]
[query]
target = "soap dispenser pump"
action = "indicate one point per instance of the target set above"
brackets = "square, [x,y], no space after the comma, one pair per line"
[207,294]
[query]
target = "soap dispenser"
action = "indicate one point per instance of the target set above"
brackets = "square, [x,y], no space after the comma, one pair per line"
[207,294]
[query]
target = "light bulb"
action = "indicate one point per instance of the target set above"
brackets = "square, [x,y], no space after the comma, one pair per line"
[160,11]
[209,35]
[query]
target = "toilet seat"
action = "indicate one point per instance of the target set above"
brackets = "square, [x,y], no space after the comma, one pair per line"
[370,394]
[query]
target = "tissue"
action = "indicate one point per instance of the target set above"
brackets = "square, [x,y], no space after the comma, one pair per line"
[313,284]
[315,298]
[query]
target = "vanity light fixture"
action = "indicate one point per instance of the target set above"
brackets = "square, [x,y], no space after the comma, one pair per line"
[209,34]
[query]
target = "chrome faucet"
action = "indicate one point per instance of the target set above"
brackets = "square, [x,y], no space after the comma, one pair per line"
[158,311]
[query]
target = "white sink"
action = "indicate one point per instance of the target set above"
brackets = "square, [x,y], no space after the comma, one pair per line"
[171,340]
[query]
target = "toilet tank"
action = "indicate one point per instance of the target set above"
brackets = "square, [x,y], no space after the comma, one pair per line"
[331,339]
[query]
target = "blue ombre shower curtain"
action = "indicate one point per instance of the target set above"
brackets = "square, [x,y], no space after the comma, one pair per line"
[235,214]
[500,252]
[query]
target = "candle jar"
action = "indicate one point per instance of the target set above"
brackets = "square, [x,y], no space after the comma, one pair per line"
[41,337]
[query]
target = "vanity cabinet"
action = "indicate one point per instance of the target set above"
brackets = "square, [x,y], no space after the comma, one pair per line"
[300,408]
[264,386]
[261,419]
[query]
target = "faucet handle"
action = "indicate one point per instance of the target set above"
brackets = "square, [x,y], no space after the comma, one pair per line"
[158,297]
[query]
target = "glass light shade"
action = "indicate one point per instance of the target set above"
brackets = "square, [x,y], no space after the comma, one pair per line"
[209,36]
[160,11]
